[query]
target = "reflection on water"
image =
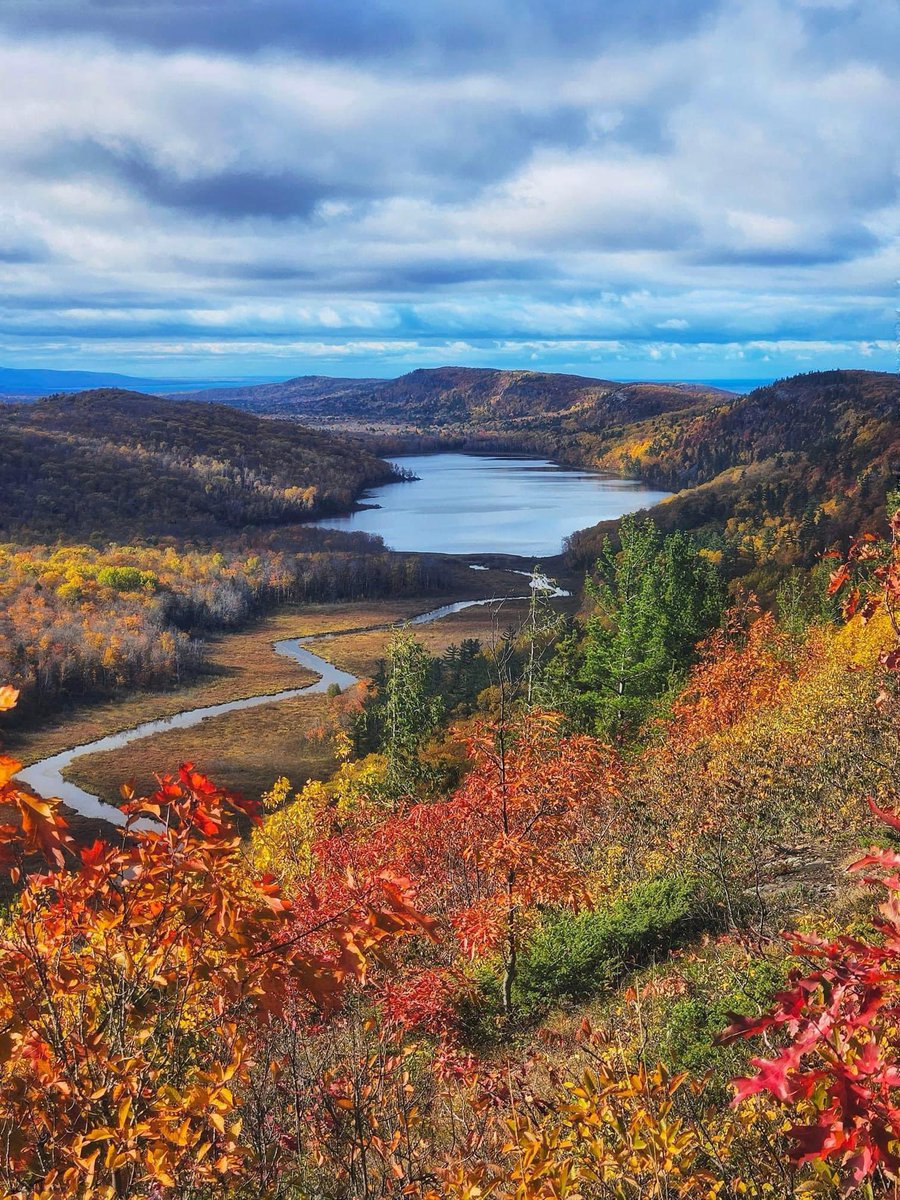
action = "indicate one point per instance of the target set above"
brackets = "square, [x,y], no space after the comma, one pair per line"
[479,504]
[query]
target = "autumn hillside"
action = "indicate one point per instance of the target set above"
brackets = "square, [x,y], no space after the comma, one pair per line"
[769,480]
[849,417]
[468,397]
[772,478]
[107,460]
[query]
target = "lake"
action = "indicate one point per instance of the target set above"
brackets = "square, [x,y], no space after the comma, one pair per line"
[485,504]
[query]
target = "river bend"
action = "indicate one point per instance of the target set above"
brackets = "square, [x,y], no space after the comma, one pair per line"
[46,776]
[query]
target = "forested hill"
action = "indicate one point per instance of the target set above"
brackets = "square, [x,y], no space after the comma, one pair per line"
[781,474]
[845,421]
[113,462]
[306,396]
[469,397]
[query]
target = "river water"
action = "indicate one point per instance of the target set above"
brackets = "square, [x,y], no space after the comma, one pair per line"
[461,504]
[47,776]
[481,504]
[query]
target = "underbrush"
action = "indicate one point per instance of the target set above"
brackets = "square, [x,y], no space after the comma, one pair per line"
[572,957]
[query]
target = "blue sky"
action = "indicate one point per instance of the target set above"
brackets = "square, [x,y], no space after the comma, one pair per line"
[626,189]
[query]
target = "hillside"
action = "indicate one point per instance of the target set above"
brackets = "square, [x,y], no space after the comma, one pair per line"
[305,396]
[464,396]
[781,474]
[849,417]
[771,479]
[114,462]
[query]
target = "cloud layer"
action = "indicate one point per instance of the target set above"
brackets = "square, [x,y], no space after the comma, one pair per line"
[636,189]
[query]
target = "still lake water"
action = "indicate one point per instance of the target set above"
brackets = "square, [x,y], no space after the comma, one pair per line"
[481,504]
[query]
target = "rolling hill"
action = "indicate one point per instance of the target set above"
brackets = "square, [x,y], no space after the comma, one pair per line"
[778,475]
[463,396]
[769,479]
[17,384]
[111,463]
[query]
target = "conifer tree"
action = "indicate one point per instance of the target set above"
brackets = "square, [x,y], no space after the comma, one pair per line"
[409,713]
[654,599]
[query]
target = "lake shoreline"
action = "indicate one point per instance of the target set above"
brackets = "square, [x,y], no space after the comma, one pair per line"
[469,504]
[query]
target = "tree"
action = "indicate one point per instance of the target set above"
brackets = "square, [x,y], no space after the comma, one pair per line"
[538,632]
[133,987]
[654,599]
[872,571]
[407,713]
[504,843]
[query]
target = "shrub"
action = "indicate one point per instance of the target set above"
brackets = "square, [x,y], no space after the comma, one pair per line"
[573,956]
[690,1027]
[127,579]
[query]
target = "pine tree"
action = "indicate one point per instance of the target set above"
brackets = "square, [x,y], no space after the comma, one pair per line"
[409,712]
[654,599]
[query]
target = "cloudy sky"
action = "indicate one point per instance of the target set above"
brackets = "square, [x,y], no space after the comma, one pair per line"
[623,188]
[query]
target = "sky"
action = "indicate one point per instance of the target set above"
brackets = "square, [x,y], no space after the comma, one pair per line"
[627,189]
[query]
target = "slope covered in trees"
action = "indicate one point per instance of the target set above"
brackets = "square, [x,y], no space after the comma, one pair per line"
[548,978]
[133,526]
[305,396]
[111,462]
[471,398]
[773,478]
[528,941]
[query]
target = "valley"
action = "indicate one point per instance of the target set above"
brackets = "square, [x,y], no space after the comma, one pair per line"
[240,746]
[453,843]
[449,600]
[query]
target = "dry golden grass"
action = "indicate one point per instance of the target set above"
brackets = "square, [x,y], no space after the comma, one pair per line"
[239,664]
[248,750]
[245,751]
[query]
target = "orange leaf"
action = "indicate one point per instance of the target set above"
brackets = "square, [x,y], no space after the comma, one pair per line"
[8,768]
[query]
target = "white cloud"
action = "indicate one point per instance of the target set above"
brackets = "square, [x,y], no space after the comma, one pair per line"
[736,181]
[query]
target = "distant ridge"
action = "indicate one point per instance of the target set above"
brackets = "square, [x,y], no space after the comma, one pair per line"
[427,395]
[25,383]
[442,396]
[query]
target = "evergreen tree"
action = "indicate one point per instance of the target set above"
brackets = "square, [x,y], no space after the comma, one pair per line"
[409,713]
[654,598]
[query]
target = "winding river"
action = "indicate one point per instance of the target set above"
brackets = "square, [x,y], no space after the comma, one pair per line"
[458,504]
[46,776]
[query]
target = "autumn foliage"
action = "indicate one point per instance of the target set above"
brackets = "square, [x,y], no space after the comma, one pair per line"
[133,984]
[226,1000]
[869,577]
[839,1025]
[505,842]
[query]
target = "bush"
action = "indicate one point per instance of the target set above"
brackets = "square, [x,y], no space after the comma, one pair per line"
[690,1025]
[479,1010]
[127,579]
[573,956]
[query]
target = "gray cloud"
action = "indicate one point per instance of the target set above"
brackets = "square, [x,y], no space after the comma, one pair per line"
[237,179]
[10,253]
[231,192]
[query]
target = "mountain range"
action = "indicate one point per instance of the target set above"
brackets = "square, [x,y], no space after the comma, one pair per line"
[447,396]
[29,384]
[769,479]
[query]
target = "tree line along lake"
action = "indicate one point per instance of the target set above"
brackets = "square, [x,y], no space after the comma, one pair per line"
[491,504]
